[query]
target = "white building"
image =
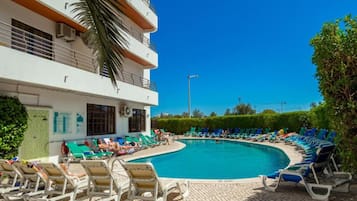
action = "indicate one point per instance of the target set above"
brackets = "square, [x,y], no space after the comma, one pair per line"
[47,66]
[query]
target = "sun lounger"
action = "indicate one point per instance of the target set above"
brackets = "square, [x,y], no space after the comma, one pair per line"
[32,181]
[192,132]
[147,141]
[146,185]
[10,177]
[301,173]
[101,182]
[81,152]
[59,184]
[97,149]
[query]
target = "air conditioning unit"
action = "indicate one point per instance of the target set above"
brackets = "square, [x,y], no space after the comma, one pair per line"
[63,30]
[125,110]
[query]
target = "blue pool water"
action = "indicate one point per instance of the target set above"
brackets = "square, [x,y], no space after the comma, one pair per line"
[206,159]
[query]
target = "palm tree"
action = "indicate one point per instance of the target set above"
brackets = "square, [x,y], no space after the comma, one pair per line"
[103,20]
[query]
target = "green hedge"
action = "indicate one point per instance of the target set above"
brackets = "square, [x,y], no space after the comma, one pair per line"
[13,123]
[320,117]
[291,120]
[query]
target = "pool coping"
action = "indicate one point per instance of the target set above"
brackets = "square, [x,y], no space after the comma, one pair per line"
[293,156]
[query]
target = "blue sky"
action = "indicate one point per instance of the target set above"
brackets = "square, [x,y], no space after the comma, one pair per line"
[257,51]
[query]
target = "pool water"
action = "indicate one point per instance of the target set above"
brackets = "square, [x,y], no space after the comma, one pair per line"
[208,159]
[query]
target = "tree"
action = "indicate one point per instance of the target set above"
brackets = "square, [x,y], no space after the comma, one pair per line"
[197,113]
[313,105]
[13,124]
[104,35]
[213,114]
[227,112]
[268,111]
[184,114]
[335,56]
[243,109]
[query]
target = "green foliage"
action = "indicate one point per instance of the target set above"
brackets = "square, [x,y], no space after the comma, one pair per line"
[213,114]
[103,19]
[335,55]
[227,112]
[185,114]
[13,123]
[197,113]
[178,125]
[291,120]
[244,109]
[268,111]
[320,117]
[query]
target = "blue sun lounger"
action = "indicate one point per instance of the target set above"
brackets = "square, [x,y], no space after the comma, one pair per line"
[319,188]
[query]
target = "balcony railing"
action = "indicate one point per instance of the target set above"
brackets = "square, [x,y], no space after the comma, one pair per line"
[142,39]
[19,39]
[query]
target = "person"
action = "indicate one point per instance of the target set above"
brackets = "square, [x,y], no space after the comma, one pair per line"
[65,169]
[102,145]
[163,137]
[134,145]
[120,149]
[224,133]
[34,165]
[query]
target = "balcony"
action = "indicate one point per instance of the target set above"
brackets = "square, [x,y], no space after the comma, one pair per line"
[21,40]
[142,13]
[56,11]
[141,50]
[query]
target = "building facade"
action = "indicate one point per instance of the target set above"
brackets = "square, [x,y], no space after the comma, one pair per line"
[53,73]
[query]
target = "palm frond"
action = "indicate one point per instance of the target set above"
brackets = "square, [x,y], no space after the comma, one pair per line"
[104,35]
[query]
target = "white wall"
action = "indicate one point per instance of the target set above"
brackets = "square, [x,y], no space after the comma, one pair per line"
[132,67]
[61,101]
[62,6]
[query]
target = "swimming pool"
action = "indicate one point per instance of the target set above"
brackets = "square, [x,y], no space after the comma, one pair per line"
[207,159]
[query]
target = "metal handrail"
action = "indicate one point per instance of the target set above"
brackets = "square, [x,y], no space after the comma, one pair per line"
[142,39]
[24,41]
[147,42]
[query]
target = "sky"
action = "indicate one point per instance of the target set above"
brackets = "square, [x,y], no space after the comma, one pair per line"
[255,52]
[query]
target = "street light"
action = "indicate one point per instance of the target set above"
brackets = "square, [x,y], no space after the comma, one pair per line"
[281,106]
[189,77]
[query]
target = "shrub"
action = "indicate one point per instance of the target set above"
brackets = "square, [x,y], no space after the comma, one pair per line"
[320,117]
[291,120]
[13,123]
[335,56]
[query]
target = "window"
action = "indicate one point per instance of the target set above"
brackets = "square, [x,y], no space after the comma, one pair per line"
[31,40]
[137,121]
[100,119]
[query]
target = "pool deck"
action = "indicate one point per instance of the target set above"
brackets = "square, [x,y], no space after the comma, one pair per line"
[238,189]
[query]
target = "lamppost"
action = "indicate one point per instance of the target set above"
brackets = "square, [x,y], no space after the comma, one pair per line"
[189,77]
[281,106]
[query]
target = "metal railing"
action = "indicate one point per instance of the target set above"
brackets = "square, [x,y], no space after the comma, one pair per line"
[142,39]
[30,43]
